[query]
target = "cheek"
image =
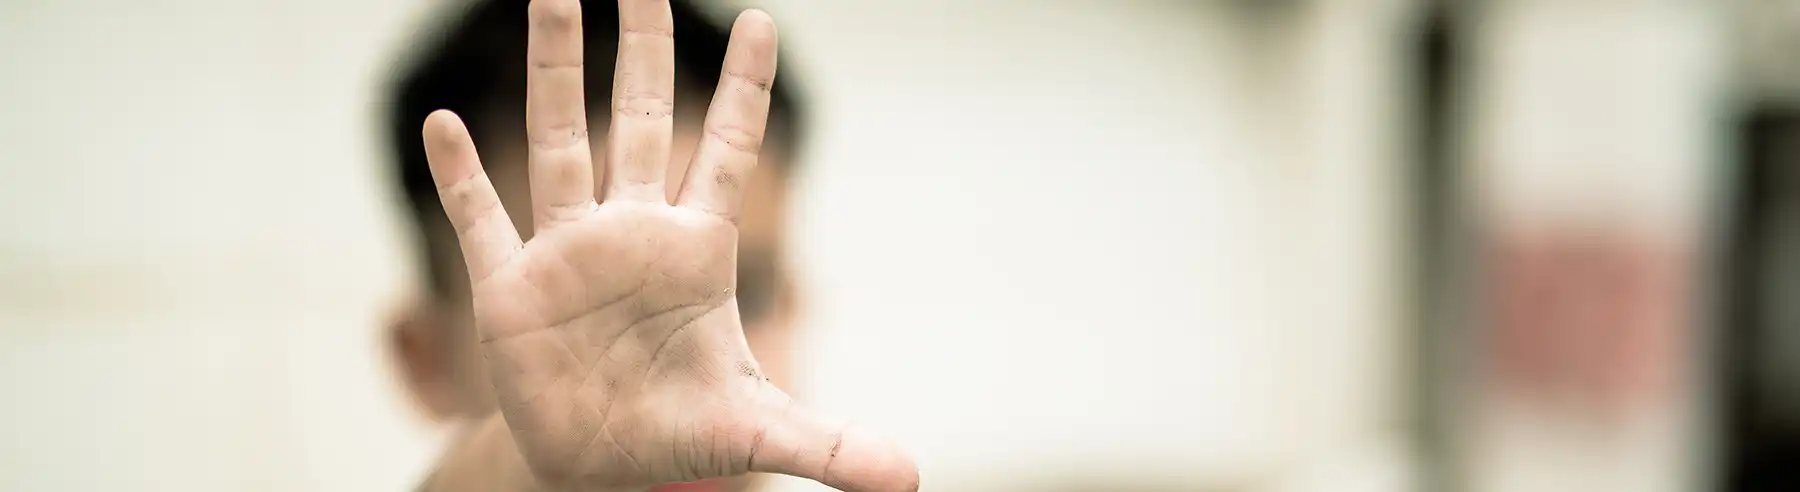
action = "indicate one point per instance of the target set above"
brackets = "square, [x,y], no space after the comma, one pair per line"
[772,344]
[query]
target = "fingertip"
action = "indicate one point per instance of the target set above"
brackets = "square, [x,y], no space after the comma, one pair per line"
[868,462]
[555,13]
[754,25]
[753,48]
[906,471]
[441,124]
[449,150]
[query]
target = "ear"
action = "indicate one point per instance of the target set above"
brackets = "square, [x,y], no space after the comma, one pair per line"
[418,338]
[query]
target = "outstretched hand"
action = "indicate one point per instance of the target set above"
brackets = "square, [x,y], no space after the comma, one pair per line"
[613,337]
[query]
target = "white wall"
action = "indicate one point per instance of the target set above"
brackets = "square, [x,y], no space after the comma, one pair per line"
[1036,237]
[1061,248]
[194,250]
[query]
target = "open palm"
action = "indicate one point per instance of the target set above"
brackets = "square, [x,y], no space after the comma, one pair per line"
[613,336]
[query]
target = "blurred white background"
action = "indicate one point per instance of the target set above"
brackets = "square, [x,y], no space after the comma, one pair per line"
[1107,241]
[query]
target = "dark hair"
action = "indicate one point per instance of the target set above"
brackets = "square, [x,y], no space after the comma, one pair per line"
[477,69]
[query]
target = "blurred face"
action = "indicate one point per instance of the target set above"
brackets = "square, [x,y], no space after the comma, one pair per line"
[436,341]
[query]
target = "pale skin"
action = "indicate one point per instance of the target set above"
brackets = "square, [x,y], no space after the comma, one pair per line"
[612,338]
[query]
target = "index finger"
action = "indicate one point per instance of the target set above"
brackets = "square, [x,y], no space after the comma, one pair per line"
[736,120]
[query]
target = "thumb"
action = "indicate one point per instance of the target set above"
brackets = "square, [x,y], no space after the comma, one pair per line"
[799,442]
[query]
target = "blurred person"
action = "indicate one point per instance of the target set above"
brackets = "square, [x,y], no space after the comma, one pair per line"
[600,335]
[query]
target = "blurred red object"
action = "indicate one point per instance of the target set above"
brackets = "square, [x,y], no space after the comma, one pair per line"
[1585,318]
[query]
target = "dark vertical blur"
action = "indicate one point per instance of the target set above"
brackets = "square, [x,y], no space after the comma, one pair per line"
[1761,350]
[1433,218]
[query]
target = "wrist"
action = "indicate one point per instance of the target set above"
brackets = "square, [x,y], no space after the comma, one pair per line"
[492,439]
[483,458]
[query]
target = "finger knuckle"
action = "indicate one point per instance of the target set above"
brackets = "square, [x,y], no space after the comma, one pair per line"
[757,81]
[644,104]
[736,137]
[559,136]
